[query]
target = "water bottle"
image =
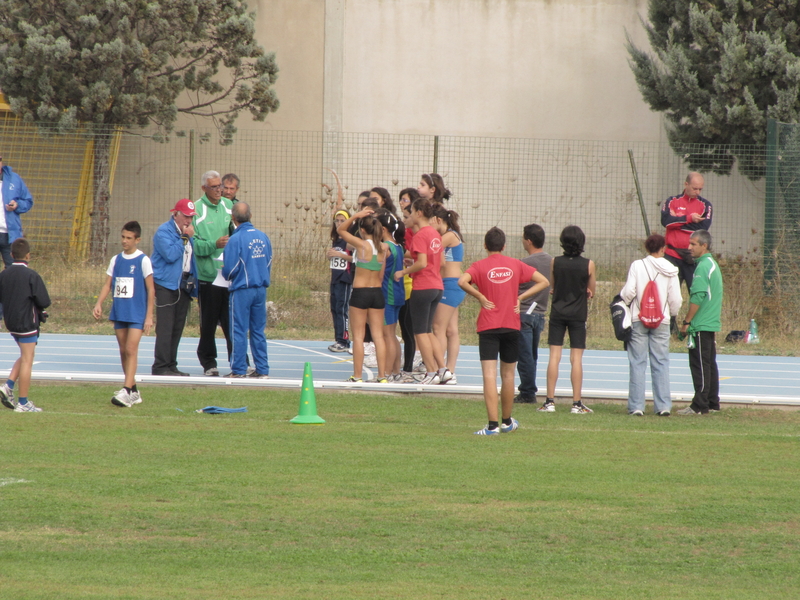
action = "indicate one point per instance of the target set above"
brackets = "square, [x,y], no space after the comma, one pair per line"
[752,337]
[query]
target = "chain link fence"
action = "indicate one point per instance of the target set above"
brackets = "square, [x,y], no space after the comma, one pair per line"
[285,177]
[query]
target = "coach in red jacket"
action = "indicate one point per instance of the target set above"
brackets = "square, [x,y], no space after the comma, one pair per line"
[682,216]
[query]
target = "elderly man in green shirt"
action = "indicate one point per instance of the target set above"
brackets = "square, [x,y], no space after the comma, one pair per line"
[211,227]
[702,321]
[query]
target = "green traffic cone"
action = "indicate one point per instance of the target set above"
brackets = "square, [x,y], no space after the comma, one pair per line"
[308,402]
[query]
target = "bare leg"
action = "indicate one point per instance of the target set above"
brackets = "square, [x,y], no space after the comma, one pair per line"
[392,348]
[431,351]
[442,330]
[453,342]
[576,372]
[21,371]
[489,371]
[375,316]
[358,322]
[552,370]
[507,372]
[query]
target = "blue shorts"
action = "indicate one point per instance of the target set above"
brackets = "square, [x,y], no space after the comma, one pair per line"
[128,325]
[391,314]
[452,295]
[25,339]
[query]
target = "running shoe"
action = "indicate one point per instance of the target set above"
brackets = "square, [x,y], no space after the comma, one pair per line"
[452,380]
[580,409]
[211,372]
[121,398]
[382,380]
[430,379]
[548,406]
[337,347]
[353,379]
[487,431]
[663,413]
[7,396]
[257,375]
[445,375]
[136,398]
[237,375]
[370,361]
[688,411]
[522,399]
[509,428]
[250,371]
[406,377]
[28,407]
[636,413]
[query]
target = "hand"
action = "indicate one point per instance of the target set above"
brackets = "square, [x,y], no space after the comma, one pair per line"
[363,213]
[188,230]
[696,218]
[684,328]
[332,252]
[148,325]
[222,242]
[589,293]
[486,303]
[517,307]
[12,205]
[97,311]
[398,275]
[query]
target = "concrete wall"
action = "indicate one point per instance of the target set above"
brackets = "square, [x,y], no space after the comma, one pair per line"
[541,69]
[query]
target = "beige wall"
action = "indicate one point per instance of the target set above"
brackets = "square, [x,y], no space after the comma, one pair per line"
[541,69]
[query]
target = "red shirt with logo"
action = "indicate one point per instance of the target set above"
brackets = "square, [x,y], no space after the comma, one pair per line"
[427,241]
[498,278]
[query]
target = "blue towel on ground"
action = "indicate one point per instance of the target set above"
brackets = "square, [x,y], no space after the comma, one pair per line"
[218,410]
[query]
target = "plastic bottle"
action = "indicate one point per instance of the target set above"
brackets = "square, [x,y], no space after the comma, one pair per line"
[752,337]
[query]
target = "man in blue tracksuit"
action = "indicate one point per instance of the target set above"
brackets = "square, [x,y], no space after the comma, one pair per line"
[16,200]
[246,264]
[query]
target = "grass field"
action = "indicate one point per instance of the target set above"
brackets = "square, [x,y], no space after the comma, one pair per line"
[392,498]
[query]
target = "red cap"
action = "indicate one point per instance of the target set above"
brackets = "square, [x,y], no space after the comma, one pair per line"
[186,207]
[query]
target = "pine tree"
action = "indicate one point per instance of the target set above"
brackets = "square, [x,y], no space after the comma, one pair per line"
[720,69]
[131,63]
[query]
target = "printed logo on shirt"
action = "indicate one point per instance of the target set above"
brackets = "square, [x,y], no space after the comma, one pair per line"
[436,245]
[500,274]
[133,269]
[257,248]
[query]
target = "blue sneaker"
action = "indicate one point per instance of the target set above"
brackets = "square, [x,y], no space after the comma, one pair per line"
[509,428]
[487,431]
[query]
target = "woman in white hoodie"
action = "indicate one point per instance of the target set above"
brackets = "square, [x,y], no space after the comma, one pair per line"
[653,342]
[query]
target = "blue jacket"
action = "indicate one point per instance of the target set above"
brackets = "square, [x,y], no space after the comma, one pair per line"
[247,258]
[15,189]
[167,257]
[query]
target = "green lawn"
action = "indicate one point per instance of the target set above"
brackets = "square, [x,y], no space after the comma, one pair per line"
[392,498]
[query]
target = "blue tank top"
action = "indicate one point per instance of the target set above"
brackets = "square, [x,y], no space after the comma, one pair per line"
[128,290]
[456,253]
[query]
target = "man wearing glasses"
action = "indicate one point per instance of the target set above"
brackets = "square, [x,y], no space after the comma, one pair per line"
[211,227]
[16,200]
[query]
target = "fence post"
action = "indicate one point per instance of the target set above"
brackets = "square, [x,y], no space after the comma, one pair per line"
[435,154]
[191,164]
[770,201]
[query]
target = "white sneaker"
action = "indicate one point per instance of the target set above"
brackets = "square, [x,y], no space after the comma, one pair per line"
[136,398]
[452,380]
[7,396]
[370,361]
[121,398]
[445,375]
[431,379]
[369,348]
[29,407]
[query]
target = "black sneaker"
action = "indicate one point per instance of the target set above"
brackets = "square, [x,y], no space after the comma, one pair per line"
[521,399]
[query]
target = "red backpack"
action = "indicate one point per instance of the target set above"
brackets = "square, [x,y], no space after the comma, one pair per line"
[650,312]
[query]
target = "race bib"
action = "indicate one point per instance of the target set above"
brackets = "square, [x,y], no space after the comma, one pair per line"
[123,287]
[338,263]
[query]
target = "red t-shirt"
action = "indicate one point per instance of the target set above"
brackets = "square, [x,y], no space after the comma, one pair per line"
[498,277]
[427,241]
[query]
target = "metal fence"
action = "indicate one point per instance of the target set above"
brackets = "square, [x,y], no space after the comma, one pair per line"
[285,177]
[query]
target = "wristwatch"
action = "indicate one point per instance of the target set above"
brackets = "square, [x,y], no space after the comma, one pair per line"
[687,323]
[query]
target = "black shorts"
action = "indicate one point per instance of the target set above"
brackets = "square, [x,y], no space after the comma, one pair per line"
[422,305]
[366,298]
[558,327]
[503,341]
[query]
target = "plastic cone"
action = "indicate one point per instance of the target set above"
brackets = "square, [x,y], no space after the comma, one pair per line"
[308,402]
